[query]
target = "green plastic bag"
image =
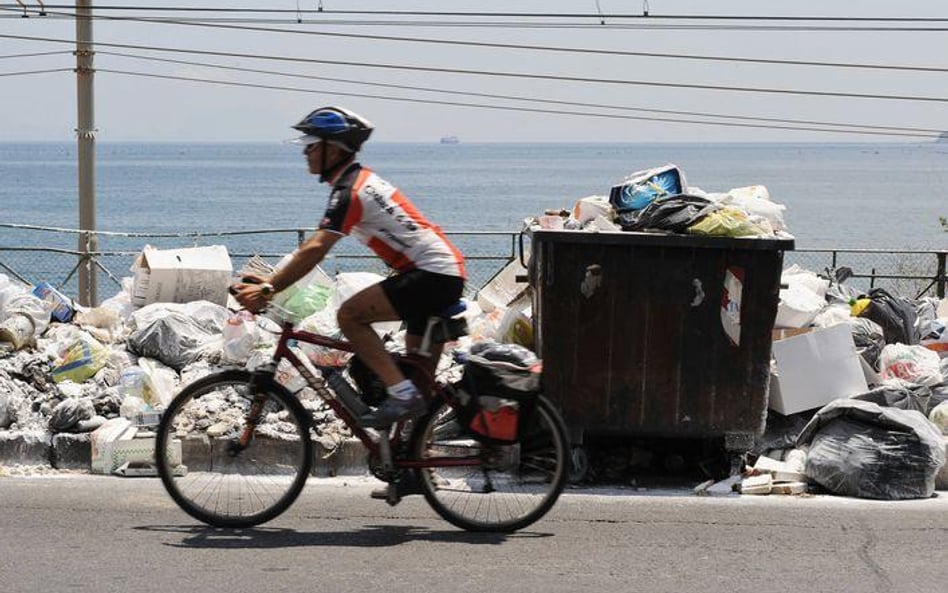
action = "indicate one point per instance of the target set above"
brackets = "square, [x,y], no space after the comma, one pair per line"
[306,301]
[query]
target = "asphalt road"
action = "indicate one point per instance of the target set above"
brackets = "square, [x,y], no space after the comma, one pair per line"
[92,533]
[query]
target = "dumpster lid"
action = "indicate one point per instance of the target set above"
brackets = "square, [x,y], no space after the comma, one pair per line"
[660,239]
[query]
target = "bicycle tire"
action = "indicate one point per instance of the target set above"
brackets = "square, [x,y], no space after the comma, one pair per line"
[510,488]
[233,490]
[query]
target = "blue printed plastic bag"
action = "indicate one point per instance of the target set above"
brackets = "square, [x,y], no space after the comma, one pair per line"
[641,188]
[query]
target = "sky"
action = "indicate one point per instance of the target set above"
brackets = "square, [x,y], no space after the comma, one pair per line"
[41,106]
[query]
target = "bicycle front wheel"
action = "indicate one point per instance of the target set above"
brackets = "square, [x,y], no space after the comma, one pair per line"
[488,487]
[206,469]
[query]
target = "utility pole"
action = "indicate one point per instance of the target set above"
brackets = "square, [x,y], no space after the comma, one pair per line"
[85,135]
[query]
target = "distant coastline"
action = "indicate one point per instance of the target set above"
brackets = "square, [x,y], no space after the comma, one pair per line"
[942,138]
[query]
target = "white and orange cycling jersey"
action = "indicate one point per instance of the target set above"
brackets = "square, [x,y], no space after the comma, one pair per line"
[379,215]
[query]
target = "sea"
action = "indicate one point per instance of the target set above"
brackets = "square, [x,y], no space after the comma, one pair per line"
[873,196]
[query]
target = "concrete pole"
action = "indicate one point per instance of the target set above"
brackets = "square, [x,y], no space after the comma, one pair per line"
[85,133]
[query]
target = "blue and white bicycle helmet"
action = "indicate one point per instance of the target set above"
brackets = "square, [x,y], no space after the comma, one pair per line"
[339,126]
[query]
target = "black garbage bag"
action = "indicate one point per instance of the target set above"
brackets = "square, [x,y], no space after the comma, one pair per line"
[175,339]
[895,314]
[902,395]
[674,214]
[858,448]
[69,413]
[869,339]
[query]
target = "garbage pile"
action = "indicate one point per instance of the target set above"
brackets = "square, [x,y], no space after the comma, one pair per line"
[660,200]
[859,390]
[70,369]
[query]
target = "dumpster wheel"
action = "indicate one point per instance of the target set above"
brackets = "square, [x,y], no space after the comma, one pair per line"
[578,464]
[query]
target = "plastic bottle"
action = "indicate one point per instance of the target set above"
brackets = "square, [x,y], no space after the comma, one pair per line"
[132,406]
[346,393]
[132,381]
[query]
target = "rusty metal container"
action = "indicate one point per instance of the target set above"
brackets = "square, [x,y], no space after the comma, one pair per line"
[656,335]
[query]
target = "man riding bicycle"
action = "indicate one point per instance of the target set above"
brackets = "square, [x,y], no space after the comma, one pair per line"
[430,269]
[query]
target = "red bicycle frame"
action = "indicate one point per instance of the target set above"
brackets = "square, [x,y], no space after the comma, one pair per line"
[430,389]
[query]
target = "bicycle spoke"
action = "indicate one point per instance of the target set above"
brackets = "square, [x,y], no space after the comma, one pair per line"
[245,488]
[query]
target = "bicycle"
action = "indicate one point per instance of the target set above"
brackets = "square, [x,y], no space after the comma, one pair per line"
[251,466]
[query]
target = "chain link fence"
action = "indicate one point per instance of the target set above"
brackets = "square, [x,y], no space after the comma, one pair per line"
[44,254]
[37,254]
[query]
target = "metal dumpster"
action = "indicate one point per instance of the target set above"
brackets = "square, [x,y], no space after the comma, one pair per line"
[656,335]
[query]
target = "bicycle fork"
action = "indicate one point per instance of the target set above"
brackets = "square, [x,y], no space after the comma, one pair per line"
[236,446]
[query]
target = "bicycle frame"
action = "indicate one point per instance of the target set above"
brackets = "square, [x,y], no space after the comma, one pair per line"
[430,389]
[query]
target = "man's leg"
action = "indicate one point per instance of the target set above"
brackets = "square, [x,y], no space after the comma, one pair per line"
[413,344]
[355,318]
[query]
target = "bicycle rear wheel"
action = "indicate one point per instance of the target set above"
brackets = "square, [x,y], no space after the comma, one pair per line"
[213,478]
[486,487]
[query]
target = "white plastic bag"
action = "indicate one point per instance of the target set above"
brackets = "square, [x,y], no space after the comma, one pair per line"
[161,382]
[239,337]
[590,207]
[916,364]
[802,300]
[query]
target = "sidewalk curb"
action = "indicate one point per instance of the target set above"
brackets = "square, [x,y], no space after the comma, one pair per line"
[74,452]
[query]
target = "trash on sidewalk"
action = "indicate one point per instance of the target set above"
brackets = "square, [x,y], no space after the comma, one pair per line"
[858,448]
[117,444]
[770,476]
[815,368]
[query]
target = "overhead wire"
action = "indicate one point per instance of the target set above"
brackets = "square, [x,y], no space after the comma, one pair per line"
[526,25]
[530,47]
[506,14]
[509,108]
[34,54]
[502,74]
[29,72]
[587,104]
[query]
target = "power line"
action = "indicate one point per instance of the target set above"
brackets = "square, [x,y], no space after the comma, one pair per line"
[545,48]
[528,25]
[483,14]
[35,54]
[28,72]
[507,108]
[510,97]
[499,74]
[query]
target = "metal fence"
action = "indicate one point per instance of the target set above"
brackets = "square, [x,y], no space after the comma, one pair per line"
[34,254]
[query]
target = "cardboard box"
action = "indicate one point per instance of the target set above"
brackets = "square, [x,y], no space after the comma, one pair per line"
[181,275]
[503,289]
[114,446]
[789,332]
[814,368]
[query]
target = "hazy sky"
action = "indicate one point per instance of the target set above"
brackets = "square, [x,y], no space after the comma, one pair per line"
[43,106]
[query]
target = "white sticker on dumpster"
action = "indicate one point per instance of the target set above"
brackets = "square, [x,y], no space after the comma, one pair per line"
[731,303]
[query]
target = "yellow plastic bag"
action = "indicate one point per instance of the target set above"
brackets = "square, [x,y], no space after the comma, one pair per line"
[726,222]
[80,361]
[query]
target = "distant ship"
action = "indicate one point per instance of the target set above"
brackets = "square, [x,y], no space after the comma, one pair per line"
[450,140]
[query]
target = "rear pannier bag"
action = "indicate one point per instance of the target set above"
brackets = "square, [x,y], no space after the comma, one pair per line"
[497,396]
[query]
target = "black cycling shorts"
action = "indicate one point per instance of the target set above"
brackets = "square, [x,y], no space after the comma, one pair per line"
[416,295]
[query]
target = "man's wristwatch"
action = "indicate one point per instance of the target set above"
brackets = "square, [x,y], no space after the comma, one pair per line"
[266,289]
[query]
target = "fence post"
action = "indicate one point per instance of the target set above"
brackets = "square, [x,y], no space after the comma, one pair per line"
[940,279]
[88,281]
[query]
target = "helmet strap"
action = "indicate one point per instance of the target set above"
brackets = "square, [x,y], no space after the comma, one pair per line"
[327,172]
